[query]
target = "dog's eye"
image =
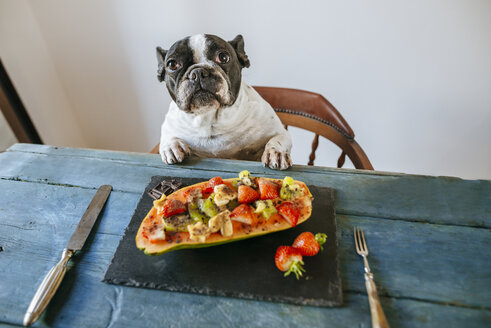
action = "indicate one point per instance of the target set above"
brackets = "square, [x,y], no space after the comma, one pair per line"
[223,57]
[173,65]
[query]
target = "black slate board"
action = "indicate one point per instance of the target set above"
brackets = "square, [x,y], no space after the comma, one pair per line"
[243,269]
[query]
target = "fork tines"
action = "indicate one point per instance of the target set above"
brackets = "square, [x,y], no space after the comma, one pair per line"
[360,243]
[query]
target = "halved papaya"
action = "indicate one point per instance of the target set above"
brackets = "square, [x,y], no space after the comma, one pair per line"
[154,239]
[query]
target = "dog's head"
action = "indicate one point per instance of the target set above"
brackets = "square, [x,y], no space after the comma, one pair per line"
[203,72]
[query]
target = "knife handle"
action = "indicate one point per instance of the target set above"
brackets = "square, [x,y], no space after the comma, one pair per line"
[47,289]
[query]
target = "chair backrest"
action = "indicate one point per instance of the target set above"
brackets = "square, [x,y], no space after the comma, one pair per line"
[312,112]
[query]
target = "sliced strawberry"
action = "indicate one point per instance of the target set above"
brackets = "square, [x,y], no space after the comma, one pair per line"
[242,213]
[208,188]
[289,212]
[268,189]
[172,207]
[308,244]
[247,194]
[289,259]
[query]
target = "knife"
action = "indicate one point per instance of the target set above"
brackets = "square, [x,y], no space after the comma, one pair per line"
[52,281]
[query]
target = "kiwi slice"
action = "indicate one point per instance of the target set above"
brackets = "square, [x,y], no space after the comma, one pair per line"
[209,207]
[195,213]
[178,222]
[289,189]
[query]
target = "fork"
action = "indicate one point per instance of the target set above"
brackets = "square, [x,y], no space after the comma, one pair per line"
[378,316]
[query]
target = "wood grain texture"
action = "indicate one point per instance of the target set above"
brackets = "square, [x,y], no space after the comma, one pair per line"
[36,237]
[83,292]
[441,200]
[44,229]
[428,275]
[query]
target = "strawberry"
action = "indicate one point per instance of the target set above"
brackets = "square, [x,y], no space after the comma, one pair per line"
[289,259]
[289,212]
[268,189]
[172,207]
[242,213]
[308,244]
[208,188]
[247,194]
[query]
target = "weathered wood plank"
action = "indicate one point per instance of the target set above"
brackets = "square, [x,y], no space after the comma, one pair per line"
[410,260]
[204,164]
[445,262]
[7,325]
[418,260]
[84,301]
[406,197]
[33,206]
[154,160]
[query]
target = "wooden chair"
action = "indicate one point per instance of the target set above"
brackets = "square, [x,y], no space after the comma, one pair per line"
[311,111]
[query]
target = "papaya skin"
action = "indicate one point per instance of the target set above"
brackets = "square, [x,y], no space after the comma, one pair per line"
[180,240]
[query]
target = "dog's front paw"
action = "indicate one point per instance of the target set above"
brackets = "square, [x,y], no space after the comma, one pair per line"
[276,159]
[174,151]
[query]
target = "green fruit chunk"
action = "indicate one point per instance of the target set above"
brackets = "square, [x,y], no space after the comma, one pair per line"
[288,180]
[243,174]
[246,178]
[209,207]
[195,213]
[289,189]
[177,223]
[235,183]
[266,208]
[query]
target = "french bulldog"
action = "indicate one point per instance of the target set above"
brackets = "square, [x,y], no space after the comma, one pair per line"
[213,112]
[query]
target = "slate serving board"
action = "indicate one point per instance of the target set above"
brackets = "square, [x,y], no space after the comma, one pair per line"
[243,269]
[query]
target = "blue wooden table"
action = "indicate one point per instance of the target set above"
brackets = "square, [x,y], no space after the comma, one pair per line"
[429,241]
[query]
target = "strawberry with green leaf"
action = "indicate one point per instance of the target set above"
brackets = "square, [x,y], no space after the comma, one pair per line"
[308,244]
[289,259]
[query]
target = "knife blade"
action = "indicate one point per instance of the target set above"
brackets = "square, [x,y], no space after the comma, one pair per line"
[82,231]
[52,281]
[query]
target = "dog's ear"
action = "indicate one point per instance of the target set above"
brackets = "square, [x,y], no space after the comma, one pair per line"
[238,44]
[161,62]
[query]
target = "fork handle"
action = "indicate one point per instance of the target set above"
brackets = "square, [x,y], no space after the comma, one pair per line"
[378,316]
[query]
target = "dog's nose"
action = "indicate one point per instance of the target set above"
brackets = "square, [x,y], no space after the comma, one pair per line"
[198,74]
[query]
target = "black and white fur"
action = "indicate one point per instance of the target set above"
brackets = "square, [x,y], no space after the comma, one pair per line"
[213,112]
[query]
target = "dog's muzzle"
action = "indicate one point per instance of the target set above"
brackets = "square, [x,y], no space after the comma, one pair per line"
[202,87]
[202,78]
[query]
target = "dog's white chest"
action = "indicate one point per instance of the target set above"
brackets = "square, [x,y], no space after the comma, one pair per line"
[240,131]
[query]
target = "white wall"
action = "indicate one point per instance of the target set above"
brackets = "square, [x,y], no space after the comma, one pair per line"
[33,73]
[413,78]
